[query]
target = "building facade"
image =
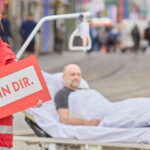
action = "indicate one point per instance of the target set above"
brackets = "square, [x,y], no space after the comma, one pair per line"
[18,11]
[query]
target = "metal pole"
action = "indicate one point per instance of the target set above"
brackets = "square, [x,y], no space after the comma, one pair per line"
[37,27]
[126,7]
[46,30]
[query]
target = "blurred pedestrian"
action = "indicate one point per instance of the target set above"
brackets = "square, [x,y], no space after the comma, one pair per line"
[103,39]
[25,30]
[135,33]
[147,34]
[111,40]
[94,38]
[5,31]
[117,42]
[60,37]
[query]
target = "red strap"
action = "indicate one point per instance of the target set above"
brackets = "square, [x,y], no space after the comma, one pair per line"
[6,140]
[7,121]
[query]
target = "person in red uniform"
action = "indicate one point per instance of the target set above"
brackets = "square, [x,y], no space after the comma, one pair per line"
[6,131]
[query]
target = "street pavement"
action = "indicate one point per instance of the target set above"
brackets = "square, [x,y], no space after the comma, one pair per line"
[116,75]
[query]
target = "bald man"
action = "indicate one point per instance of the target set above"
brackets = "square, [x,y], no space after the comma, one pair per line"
[71,77]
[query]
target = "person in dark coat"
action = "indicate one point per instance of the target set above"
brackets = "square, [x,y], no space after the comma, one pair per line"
[135,37]
[5,32]
[25,30]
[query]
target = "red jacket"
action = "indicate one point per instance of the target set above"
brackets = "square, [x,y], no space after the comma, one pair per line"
[6,133]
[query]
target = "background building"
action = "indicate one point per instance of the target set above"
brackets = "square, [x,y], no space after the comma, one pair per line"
[117,10]
[18,12]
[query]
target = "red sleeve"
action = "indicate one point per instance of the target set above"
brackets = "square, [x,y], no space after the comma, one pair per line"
[9,61]
[7,56]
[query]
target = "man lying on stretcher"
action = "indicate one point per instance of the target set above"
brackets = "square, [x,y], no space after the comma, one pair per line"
[71,77]
[89,107]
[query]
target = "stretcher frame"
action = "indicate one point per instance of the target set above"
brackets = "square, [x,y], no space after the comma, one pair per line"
[53,142]
[50,143]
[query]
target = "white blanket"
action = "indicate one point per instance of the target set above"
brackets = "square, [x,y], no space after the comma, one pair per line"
[128,113]
[47,118]
[88,104]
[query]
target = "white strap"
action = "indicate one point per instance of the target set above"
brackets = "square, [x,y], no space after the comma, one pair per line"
[83,32]
[4,148]
[84,48]
[6,129]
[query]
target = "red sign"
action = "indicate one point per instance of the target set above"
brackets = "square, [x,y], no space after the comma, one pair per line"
[21,86]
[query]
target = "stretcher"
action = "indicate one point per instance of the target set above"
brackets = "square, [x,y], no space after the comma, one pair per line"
[47,142]
[82,137]
[53,143]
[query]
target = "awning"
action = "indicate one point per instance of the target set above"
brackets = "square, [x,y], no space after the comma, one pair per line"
[101,22]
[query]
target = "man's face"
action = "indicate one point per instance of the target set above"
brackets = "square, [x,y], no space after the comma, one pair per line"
[72,77]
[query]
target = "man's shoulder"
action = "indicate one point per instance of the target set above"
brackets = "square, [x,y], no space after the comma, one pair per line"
[59,94]
[63,90]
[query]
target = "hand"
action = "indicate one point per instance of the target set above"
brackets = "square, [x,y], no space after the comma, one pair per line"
[39,103]
[92,122]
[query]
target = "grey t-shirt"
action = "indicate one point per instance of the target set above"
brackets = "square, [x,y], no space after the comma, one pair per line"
[61,98]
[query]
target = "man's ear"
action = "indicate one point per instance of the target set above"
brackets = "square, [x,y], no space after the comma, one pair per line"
[63,76]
